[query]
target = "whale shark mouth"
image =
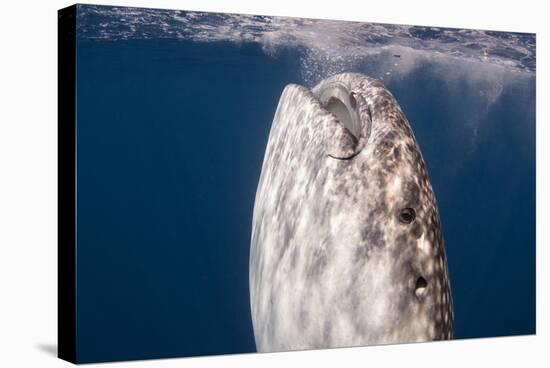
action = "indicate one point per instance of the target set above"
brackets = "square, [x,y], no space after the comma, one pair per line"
[338,99]
[350,110]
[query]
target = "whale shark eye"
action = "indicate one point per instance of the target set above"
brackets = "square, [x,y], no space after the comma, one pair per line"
[420,286]
[407,215]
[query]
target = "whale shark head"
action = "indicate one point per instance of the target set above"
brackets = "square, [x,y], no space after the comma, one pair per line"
[347,247]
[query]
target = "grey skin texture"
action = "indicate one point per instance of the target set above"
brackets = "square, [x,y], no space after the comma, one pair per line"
[346,245]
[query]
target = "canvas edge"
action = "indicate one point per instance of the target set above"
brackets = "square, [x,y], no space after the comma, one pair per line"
[66,187]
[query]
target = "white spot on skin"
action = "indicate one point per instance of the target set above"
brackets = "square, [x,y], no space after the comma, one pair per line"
[423,243]
[395,190]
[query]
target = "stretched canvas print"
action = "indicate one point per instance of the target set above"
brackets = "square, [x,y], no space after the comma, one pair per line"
[236,183]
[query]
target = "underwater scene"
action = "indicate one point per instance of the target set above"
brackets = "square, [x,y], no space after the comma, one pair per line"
[220,213]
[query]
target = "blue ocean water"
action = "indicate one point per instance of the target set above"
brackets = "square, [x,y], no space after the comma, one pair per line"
[173,117]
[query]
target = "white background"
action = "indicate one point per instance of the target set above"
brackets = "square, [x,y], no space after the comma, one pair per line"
[28,182]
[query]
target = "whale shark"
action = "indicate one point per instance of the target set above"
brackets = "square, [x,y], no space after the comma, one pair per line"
[347,246]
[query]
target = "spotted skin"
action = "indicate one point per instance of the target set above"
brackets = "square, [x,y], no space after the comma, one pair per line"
[346,246]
